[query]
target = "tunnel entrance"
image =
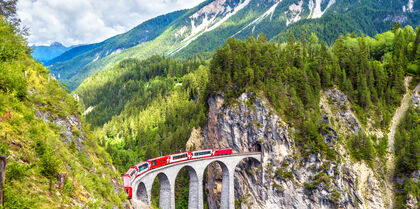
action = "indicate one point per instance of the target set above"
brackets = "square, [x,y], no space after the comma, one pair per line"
[256,147]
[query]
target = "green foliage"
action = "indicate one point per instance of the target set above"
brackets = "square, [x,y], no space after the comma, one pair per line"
[4,149]
[146,107]
[13,49]
[131,81]
[407,145]
[155,195]
[284,174]
[14,46]
[165,34]
[291,75]
[362,148]
[139,112]
[407,152]
[16,171]
[182,189]
[335,196]
[382,147]
[15,200]
[35,146]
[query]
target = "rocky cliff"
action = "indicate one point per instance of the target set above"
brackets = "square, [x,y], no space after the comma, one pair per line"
[286,179]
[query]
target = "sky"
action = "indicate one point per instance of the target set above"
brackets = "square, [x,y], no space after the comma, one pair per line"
[73,22]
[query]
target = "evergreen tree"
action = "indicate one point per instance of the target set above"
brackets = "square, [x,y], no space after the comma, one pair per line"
[396,26]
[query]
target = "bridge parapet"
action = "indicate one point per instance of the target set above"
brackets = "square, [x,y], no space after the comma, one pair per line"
[142,185]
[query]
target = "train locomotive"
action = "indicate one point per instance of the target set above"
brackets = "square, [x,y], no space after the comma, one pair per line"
[147,165]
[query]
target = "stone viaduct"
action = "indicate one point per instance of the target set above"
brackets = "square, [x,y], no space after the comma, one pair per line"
[142,185]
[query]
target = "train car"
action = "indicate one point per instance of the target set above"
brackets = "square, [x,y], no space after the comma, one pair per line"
[223,152]
[202,154]
[128,177]
[159,161]
[175,158]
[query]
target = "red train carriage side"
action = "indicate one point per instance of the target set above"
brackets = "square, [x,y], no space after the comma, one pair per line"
[223,152]
[159,161]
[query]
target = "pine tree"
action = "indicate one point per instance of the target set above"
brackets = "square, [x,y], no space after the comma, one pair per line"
[339,50]
[396,26]
[290,49]
[416,44]
[313,43]
[304,41]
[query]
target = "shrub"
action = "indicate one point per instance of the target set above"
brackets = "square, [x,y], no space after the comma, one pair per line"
[4,149]
[16,171]
[13,200]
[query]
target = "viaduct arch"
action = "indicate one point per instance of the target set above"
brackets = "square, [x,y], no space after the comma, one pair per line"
[142,185]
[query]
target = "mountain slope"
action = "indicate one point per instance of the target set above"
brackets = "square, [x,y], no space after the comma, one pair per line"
[203,28]
[53,160]
[320,113]
[46,53]
[72,62]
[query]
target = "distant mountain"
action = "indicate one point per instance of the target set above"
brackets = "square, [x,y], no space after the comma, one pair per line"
[203,28]
[72,62]
[46,53]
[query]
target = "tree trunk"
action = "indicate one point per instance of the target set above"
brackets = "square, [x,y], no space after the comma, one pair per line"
[62,180]
[2,177]
[51,186]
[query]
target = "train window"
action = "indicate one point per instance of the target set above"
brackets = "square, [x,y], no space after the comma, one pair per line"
[154,162]
[202,153]
[132,173]
[176,157]
[143,167]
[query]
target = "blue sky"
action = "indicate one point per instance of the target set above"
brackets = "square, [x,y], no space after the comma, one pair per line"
[87,21]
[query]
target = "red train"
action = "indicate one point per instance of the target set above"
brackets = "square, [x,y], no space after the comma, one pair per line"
[147,165]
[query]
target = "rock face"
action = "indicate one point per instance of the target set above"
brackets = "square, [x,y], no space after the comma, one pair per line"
[71,127]
[335,104]
[284,179]
[412,201]
[416,96]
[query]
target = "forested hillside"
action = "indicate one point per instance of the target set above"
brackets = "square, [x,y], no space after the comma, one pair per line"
[370,71]
[53,158]
[149,107]
[407,151]
[328,91]
[145,107]
[202,28]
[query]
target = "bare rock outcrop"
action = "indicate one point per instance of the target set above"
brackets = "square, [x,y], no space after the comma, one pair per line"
[285,179]
[70,127]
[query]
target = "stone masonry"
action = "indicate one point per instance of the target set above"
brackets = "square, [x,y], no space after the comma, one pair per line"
[142,185]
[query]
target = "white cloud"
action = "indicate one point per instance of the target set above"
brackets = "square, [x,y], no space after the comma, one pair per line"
[87,21]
